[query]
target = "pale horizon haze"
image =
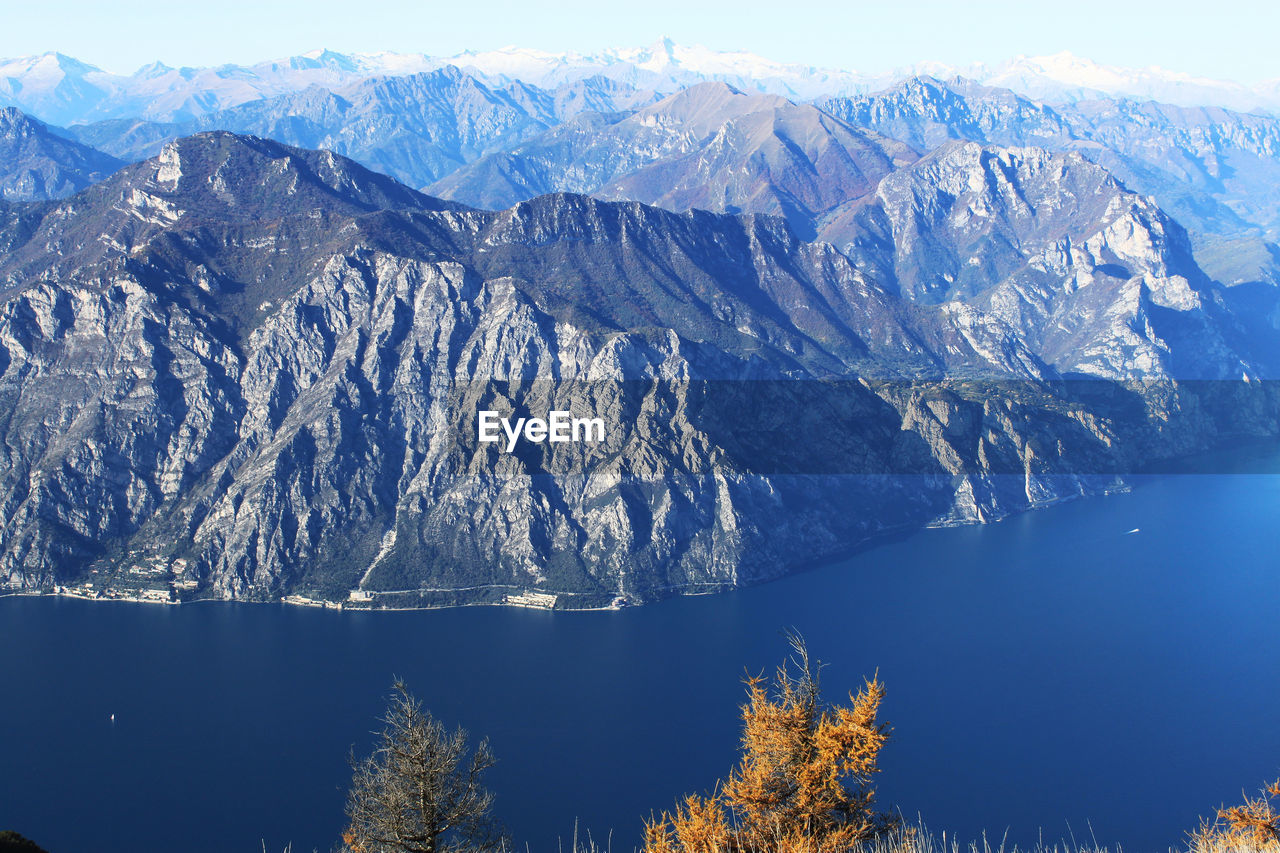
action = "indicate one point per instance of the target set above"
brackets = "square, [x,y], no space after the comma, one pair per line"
[1231,43]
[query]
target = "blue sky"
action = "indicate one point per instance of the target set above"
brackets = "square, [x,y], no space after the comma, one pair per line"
[1228,39]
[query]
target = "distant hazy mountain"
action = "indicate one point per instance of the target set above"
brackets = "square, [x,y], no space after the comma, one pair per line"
[1064,77]
[666,66]
[416,128]
[926,112]
[66,91]
[708,146]
[1216,171]
[1209,165]
[63,90]
[1229,157]
[491,141]
[248,369]
[36,163]
[54,87]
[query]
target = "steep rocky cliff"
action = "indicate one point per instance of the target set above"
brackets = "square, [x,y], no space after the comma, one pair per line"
[244,370]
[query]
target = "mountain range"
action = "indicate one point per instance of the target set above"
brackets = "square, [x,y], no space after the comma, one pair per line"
[452,134]
[256,367]
[243,347]
[62,90]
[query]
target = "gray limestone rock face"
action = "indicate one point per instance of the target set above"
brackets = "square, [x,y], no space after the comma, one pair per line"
[252,370]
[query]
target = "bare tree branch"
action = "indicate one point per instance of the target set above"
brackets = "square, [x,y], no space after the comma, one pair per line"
[418,792]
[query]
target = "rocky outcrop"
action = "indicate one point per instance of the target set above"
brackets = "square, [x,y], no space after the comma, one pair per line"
[1090,277]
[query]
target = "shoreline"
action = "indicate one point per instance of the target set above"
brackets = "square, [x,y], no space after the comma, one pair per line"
[317,604]
[528,599]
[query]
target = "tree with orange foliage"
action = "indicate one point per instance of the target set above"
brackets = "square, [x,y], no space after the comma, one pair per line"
[1253,827]
[804,782]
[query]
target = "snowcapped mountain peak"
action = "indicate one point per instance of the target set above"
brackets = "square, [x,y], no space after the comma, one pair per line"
[656,57]
[325,58]
[45,67]
[663,46]
[1063,76]
[154,69]
[63,90]
[64,63]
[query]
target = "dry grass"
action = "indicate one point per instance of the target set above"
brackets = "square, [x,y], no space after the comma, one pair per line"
[918,839]
[904,839]
[1252,827]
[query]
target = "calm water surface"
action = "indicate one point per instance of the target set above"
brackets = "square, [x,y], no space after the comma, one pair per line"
[1052,674]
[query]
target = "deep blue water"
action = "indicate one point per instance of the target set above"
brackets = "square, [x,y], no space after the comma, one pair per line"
[1051,673]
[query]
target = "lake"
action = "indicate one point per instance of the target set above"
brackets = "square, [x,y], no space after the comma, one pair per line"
[1052,674]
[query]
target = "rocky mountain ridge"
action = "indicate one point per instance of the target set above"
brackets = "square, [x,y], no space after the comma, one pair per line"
[1214,170]
[245,370]
[415,127]
[36,163]
[492,145]
[709,146]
